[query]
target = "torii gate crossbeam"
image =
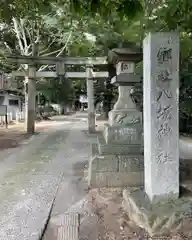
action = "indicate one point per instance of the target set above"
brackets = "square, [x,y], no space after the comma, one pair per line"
[54,60]
[60,63]
[67,74]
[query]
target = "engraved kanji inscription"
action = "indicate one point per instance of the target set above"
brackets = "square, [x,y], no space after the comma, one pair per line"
[163,130]
[164,112]
[163,157]
[167,93]
[164,75]
[164,54]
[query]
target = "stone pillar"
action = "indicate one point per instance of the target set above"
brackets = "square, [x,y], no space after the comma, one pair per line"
[160,208]
[30,101]
[161,124]
[90,96]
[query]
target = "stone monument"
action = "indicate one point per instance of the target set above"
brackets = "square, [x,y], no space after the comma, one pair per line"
[119,158]
[158,207]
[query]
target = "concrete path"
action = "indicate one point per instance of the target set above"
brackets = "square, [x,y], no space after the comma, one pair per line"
[30,176]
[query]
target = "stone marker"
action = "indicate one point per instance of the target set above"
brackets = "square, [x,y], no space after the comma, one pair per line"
[158,208]
[161,125]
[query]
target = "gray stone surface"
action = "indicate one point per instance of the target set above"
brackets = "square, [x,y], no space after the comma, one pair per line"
[117,163]
[67,219]
[107,163]
[157,219]
[64,227]
[161,129]
[130,134]
[94,149]
[91,122]
[116,171]
[126,78]
[124,149]
[115,179]
[131,163]
[91,107]
[124,117]
[67,233]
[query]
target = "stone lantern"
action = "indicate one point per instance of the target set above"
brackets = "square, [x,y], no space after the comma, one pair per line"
[118,155]
[124,112]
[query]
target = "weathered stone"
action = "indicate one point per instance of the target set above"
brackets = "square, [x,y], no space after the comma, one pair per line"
[123,134]
[94,149]
[64,227]
[161,130]
[131,163]
[91,108]
[115,179]
[125,117]
[91,122]
[116,171]
[157,219]
[124,149]
[108,163]
[68,219]
[132,78]
[67,233]
[124,67]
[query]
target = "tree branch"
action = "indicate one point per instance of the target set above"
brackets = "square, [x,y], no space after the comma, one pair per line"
[60,51]
[45,50]
[7,46]
[24,36]
[29,34]
[16,30]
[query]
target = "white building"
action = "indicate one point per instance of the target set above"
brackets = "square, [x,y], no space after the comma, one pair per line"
[10,95]
[12,101]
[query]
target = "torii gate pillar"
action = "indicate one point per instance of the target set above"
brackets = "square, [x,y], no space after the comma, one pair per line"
[90,95]
[30,101]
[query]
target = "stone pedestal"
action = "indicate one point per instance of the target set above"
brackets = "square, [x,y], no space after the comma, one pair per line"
[119,158]
[157,207]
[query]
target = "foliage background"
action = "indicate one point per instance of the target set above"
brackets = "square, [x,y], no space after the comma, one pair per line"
[91,28]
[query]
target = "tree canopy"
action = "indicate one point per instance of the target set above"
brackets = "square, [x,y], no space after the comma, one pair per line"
[91,28]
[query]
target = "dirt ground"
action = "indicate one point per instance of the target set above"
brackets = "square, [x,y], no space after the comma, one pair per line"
[114,224]
[12,136]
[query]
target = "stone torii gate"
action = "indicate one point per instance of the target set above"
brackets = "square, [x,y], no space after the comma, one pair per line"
[60,71]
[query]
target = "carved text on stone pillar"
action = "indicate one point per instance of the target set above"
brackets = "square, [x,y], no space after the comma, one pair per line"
[163,98]
[164,54]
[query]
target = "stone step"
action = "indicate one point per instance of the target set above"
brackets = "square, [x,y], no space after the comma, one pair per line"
[94,149]
[129,134]
[116,171]
[123,149]
[63,227]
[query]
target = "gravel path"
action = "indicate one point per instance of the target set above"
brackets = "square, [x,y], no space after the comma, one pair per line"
[30,176]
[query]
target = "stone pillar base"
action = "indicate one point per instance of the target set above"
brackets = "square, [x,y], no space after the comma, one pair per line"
[91,122]
[116,171]
[30,121]
[129,134]
[156,219]
[118,149]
